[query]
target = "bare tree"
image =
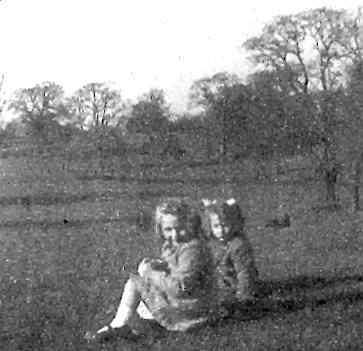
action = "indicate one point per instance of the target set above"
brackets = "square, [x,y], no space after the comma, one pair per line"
[353,137]
[2,99]
[207,94]
[150,115]
[95,105]
[40,108]
[310,51]
[97,108]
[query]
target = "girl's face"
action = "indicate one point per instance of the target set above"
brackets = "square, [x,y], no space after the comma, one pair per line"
[219,229]
[171,229]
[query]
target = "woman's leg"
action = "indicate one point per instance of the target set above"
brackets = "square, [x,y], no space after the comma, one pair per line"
[129,302]
[126,310]
[144,312]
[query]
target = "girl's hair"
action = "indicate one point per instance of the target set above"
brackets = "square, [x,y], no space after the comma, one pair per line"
[229,213]
[184,211]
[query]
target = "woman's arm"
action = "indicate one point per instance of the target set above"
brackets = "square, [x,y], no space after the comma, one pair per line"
[184,276]
[243,262]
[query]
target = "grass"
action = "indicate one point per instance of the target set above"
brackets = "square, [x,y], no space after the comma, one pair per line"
[68,243]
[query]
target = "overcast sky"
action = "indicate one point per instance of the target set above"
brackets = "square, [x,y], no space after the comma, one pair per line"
[137,44]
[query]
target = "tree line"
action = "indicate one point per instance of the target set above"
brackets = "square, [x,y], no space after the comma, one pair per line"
[305,95]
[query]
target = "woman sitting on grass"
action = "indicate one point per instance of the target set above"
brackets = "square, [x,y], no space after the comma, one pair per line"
[174,289]
[234,265]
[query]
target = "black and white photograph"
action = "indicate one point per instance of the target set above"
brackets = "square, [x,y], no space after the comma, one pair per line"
[181,175]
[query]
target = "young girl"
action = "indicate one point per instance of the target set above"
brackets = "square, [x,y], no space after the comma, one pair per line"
[173,290]
[235,270]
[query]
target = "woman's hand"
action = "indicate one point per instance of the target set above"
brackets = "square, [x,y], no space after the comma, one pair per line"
[159,265]
[152,264]
[144,266]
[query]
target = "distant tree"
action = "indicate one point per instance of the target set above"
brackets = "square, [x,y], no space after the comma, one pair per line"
[282,113]
[235,116]
[2,98]
[40,108]
[352,138]
[187,124]
[3,133]
[207,94]
[309,51]
[95,106]
[15,128]
[150,116]
[204,91]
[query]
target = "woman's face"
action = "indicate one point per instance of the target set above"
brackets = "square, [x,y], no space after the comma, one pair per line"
[171,229]
[219,229]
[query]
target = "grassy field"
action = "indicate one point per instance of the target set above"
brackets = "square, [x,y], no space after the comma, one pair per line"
[70,237]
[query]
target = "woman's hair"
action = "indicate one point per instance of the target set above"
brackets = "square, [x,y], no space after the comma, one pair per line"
[184,211]
[229,213]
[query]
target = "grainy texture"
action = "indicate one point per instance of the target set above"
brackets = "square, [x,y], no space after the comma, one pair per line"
[66,255]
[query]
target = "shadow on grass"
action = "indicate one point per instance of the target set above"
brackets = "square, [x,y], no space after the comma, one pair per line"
[292,295]
[149,180]
[159,193]
[46,326]
[77,223]
[47,199]
[141,220]
[195,180]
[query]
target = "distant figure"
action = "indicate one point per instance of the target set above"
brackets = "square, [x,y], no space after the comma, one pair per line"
[173,149]
[143,220]
[179,154]
[176,153]
[172,290]
[236,274]
[279,222]
[26,202]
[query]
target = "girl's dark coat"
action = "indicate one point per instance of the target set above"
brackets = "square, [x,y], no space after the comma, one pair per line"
[235,270]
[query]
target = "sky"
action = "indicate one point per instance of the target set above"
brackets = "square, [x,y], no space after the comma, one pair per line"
[135,45]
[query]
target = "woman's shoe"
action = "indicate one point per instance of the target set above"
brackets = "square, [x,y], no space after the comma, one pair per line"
[108,334]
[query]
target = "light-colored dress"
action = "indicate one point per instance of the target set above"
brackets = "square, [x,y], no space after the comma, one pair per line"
[178,294]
